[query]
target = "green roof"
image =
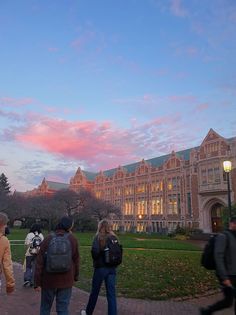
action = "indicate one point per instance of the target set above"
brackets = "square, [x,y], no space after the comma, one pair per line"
[90,175]
[155,162]
[56,185]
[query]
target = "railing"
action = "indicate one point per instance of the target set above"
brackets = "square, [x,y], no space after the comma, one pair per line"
[17,242]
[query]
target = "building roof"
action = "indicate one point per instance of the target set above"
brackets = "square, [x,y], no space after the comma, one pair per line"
[56,185]
[155,162]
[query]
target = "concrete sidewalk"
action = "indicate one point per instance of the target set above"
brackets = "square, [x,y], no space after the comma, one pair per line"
[25,301]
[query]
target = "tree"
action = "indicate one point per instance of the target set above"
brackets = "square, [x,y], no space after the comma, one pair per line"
[5,187]
[67,201]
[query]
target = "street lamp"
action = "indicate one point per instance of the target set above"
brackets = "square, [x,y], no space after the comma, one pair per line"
[227,168]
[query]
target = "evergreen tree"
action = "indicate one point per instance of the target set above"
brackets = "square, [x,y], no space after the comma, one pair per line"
[5,187]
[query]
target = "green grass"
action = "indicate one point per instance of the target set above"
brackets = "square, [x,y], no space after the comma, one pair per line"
[152,268]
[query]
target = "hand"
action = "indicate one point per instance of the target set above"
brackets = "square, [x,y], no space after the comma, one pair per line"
[9,290]
[227,283]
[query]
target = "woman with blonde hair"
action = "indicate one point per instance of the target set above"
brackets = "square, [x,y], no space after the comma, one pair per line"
[102,271]
[6,266]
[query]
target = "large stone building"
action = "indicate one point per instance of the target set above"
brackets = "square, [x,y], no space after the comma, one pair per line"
[186,188]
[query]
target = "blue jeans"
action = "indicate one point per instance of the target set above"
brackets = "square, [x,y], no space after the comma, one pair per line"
[109,276]
[30,269]
[62,300]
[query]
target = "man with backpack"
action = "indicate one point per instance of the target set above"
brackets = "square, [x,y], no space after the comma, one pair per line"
[32,241]
[225,265]
[57,268]
[107,255]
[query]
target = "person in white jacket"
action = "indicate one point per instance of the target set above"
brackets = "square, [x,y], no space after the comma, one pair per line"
[32,241]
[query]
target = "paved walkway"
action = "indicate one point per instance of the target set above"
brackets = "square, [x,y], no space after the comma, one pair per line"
[25,301]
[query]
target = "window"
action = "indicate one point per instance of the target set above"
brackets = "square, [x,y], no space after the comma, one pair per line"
[217,174]
[204,176]
[128,208]
[189,203]
[142,206]
[172,205]
[210,175]
[157,205]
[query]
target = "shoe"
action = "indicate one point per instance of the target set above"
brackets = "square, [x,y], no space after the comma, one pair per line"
[26,283]
[83,312]
[205,311]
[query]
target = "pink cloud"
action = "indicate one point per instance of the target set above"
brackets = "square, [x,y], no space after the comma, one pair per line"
[2,163]
[13,102]
[10,115]
[177,9]
[83,40]
[102,145]
[52,49]
[190,99]
[201,107]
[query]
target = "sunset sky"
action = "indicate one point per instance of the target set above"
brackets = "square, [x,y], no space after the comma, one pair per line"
[102,83]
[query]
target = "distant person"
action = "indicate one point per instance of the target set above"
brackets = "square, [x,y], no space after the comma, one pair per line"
[32,241]
[225,258]
[57,268]
[5,256]
[102,271]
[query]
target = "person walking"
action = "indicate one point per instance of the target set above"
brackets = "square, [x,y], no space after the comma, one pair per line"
[6,266]
[225,258]
[102,272]
[32,242]
[56,272]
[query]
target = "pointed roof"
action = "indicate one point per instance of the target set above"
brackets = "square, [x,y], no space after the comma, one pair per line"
[212,135]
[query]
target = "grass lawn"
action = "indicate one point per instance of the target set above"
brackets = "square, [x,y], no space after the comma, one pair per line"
[152,268]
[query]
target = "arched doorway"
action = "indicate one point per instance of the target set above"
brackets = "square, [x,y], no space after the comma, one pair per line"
[216,218]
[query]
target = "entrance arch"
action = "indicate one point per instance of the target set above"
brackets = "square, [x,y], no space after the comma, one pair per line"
[216,213]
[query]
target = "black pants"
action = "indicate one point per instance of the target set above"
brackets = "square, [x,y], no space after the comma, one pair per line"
[229,297]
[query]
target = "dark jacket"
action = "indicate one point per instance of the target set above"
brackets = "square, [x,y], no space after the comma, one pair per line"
[225,255]
[97,254]
[57,280]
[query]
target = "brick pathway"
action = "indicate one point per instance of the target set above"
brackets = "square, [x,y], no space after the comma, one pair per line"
[25,301]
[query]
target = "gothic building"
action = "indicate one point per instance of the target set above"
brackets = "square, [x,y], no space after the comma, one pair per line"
[186,188]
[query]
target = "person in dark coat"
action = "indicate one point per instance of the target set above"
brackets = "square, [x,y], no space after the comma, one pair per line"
[57,285]
[102,273]
[225,258]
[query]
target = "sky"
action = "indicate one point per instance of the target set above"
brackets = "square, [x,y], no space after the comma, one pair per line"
[101,83]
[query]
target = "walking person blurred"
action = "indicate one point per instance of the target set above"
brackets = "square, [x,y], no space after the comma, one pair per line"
[57,268]
[32,241]
[102,270]
[225,259]
[5,255]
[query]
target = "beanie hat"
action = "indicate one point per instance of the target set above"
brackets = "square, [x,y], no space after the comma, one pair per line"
[65,223]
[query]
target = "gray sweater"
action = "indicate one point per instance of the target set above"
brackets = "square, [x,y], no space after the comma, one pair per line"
[225,255]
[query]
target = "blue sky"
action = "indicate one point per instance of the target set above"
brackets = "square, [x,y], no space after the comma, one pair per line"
[102,83]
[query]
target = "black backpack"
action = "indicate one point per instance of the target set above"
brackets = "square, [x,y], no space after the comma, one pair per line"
[59,254]
[208,259]
[113,252]
[35,244]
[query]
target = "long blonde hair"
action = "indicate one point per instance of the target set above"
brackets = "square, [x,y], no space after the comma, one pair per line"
[103,232]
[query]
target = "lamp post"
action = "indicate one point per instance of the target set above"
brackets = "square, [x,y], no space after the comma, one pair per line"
[227,168]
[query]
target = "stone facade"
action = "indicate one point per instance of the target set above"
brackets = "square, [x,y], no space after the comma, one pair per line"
[186,188]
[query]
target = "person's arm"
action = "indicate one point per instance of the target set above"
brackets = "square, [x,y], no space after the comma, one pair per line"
[95,251]
[8,267]
[28,239]
[219,254]
[39,265]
